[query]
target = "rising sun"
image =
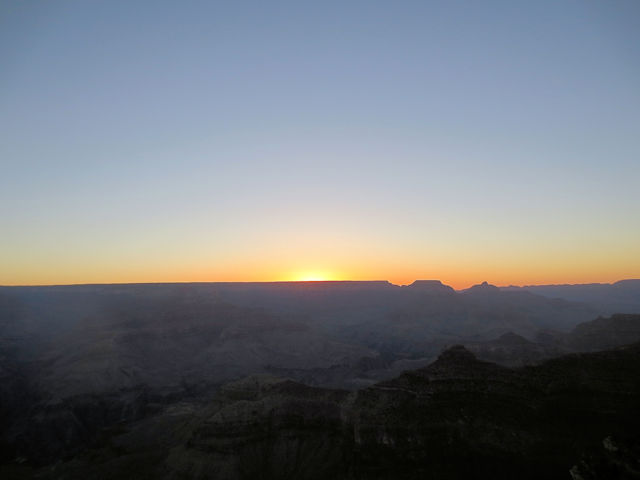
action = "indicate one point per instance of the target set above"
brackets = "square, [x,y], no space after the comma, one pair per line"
[313,277]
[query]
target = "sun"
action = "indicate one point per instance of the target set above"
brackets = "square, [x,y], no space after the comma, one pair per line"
[313,277]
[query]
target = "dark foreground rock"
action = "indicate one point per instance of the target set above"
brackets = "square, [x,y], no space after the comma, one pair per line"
[572,417]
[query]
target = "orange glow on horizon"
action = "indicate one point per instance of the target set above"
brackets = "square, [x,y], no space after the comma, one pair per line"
[458,269]
[312,278]
[458,282]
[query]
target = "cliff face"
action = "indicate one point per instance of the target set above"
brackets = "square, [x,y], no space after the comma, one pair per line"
[432,287]
[512,350]
[604,333]
[461,416]
[267,428]
[457,417]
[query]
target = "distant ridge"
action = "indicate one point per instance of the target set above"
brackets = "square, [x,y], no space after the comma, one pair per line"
[483,288]
[623,282]
[622,296]
[631,282]
[431,286]
[221,284]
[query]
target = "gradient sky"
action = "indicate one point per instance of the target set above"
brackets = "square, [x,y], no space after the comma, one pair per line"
[223,141]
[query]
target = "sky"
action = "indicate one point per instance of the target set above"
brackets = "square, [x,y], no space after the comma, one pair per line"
[153,141]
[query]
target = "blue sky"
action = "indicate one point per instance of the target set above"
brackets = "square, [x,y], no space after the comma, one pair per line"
[147,141]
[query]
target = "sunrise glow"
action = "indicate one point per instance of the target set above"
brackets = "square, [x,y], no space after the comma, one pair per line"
[339,143]
[313,277]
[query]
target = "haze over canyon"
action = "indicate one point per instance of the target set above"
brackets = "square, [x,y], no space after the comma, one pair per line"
[313,379]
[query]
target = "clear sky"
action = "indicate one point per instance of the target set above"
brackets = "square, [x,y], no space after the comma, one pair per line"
[223,141]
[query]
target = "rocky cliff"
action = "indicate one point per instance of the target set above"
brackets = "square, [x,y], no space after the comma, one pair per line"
[459,417]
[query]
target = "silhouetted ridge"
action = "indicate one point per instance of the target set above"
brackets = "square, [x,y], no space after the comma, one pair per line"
[484,287]
[605,333]
[630,283]
[608,298]
[511,338]
[431,286]
[456,354]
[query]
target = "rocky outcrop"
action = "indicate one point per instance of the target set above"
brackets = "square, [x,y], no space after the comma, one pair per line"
[614,458]
[463,417]
[513,350]
[457,417]
[265,427]
[431,287]
[604,333]
[483,288]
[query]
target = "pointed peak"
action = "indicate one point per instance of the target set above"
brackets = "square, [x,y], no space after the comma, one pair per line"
[456,354]
[483,287]
[510,338]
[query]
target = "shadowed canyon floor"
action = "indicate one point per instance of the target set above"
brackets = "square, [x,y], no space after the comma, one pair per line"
[306,381]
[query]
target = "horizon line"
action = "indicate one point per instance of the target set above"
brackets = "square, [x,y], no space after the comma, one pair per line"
[304,282]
